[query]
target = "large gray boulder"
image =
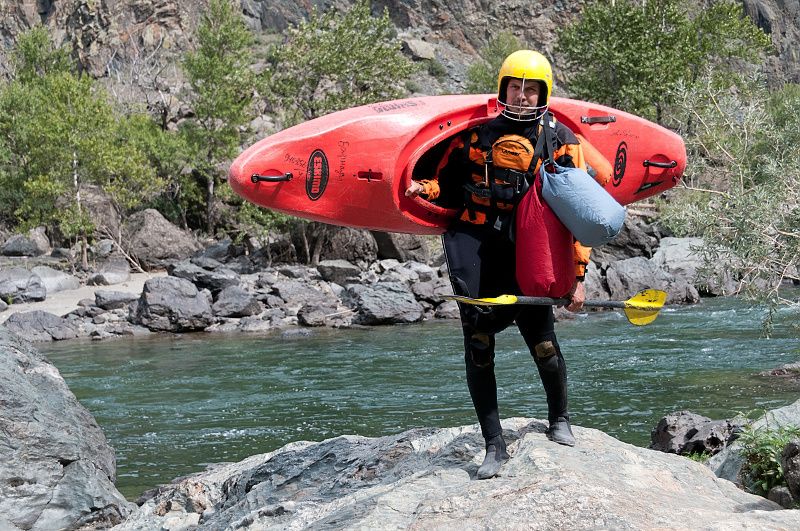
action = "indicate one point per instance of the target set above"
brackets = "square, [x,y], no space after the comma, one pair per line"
[171,304]
[354,245]
[636,238]
[17,285]
[424,479]
[382,303]
[205,273]
[236,301]
[55,280]
[685,433]
[594,284]
[35,243]
[154,241]
[339,271]
[102,209]
[325,313]
[296,293]
[432,290]
[39,325]
[683,258]
[57,470]
[402,247]
[114,270]
[790,463]
[627,277]
[113,300]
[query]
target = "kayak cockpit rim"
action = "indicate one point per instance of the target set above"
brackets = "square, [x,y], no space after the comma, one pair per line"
[424,160]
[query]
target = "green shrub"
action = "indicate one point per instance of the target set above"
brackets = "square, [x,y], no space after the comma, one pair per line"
[436,69]
[632,54]
[741,190]
[334,61]
[223,85]
[699,457]
[761,449]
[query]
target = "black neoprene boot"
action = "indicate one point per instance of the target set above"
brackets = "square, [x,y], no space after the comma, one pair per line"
[561,432]
[496,455]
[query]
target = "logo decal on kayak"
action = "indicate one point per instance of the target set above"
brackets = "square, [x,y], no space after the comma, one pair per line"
[395,105]
[316,175]
[620,161]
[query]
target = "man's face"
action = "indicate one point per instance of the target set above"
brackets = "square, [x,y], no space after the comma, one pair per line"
[522,97]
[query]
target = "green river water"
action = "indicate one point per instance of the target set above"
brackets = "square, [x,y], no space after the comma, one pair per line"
[170,405]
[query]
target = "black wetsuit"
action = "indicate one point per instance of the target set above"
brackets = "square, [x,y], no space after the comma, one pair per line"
[481,262]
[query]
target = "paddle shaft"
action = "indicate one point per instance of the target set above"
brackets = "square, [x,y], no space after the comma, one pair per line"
[544,301]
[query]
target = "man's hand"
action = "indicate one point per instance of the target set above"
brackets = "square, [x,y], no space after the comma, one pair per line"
[577,295]
[415,189]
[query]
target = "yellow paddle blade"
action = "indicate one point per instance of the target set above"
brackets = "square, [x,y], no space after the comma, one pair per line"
[643,308]
[487,301]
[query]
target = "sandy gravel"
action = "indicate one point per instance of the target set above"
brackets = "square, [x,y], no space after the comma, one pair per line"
[63,302]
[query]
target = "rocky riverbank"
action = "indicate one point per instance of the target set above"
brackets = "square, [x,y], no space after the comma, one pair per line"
[60,472]
[221,287]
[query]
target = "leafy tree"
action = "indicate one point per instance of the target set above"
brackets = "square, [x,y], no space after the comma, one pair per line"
[632,54]
[223,88]
[331,62]
[742,190]
[58,133]
[180,198]
[335,61]
[34,56]
[482,75]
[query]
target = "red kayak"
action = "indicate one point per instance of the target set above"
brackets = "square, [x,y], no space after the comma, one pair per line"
[352,167]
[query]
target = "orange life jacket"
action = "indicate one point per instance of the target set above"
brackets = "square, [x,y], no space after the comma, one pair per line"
[477,153]
[500,175]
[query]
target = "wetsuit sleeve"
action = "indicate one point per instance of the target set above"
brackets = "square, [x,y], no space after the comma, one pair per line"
[580,256]
[431,188]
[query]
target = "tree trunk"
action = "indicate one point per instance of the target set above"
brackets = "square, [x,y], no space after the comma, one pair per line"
[210,206]
[304,238]
[84,240]
[84,251]
[319,240]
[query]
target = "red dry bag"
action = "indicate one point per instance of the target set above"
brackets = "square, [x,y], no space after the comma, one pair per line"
[544,262]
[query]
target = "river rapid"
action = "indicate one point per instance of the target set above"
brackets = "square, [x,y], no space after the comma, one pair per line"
[172,404]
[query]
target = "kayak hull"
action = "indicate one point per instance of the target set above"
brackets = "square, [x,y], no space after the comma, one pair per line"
[352,167]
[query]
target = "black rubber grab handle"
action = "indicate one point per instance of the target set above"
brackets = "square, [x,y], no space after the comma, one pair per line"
[598,119]
[670,164]
[256,178]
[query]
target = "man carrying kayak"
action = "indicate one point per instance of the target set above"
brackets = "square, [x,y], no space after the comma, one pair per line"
[495,164]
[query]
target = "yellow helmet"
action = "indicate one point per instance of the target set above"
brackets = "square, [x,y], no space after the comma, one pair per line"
[526,65]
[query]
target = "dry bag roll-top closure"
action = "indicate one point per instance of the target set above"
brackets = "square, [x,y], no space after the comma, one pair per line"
[564,202]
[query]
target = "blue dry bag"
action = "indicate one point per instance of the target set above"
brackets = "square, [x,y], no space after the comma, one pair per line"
[590,213]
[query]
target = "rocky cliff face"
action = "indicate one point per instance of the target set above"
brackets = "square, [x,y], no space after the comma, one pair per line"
[104,34]
[119,39]
[781,20]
